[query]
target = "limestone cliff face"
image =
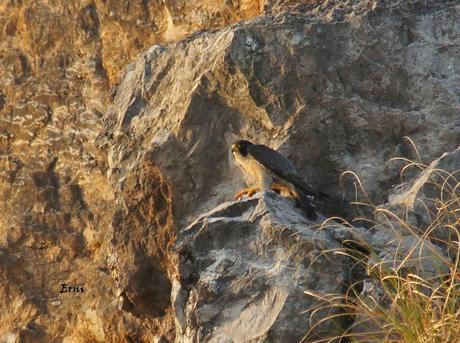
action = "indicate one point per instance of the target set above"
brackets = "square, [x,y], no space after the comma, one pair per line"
[58,60]
[97,196]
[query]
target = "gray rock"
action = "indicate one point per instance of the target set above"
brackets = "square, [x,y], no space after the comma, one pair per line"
[331,90]
[243,270]
[428,195]
[414,235]
[332,97]
[410,254]
[407,235]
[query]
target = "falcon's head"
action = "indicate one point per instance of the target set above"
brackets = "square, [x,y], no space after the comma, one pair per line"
[240,148]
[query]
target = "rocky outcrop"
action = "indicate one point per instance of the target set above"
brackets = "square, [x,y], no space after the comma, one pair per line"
[415,234]
[333,86]
[317,90]
[58,60]
[244,269]
[332,94]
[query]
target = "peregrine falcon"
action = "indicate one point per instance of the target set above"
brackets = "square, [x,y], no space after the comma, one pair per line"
[268,169]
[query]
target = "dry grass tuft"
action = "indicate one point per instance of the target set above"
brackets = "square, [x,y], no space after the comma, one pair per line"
[400,303]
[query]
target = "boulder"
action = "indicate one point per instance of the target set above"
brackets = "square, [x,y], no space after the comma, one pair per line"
[243,271]
[331,94]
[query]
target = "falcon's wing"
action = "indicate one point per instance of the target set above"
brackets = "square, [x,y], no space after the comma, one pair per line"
[281,166]
[272,160]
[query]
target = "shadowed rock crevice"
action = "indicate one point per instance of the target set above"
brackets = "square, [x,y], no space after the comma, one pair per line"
[142,232]
[89,21]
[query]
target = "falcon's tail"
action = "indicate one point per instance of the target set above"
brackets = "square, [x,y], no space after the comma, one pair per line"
[304,201]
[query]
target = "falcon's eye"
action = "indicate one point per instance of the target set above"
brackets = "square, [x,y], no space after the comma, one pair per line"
[243,148]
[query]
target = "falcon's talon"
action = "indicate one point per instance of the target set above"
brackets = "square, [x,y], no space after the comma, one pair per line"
[247,191]
[281,189]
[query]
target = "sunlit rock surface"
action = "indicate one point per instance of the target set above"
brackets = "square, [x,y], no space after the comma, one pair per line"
[58,60]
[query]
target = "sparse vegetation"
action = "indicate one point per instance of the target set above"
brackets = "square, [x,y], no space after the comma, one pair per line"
[400,301]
